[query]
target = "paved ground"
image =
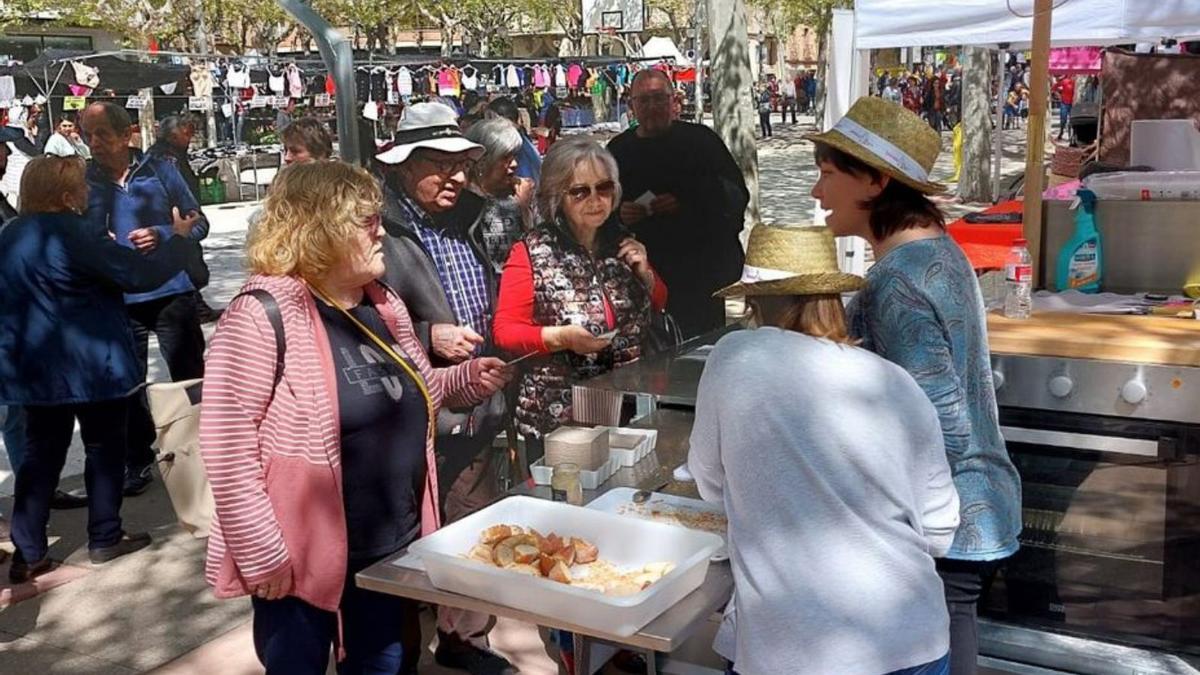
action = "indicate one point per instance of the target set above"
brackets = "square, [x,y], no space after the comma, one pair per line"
[152,610]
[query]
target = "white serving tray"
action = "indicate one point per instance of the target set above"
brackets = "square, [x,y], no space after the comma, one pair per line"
[619,501]
[625,542]
[637,454]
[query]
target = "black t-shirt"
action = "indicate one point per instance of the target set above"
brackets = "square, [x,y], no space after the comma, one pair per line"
[698,249]
[383,426]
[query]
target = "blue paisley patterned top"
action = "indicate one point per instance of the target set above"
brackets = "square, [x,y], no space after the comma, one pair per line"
[921,309]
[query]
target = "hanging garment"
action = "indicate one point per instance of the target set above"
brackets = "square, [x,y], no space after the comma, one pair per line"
[498,73]
[316,85]
[8,88]
[202,81]
[404,82]
[371,111]
[393,95]
[574,72]
[362,85]
[512,78]
[560,76]
[470,78]
[80,90]
[167,89]
[527,74]
[238,76]
[275,82]
[540,77]
[330,87]
[295,80]
[379,85]
[445,79]
[85,74]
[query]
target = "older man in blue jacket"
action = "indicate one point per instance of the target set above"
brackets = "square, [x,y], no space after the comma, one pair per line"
[138,199]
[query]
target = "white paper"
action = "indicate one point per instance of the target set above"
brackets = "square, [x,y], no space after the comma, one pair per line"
[645,199]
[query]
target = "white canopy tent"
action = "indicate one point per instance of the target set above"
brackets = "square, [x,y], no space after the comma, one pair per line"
[664,48]
[886,24]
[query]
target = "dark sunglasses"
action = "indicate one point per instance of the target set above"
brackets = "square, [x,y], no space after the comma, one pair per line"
[603,189]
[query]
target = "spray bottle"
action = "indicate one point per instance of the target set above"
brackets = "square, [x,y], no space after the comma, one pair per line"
[1081,260]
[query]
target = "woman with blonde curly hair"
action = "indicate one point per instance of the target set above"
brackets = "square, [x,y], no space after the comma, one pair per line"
[316,429]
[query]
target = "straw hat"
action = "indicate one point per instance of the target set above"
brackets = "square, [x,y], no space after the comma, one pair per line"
[791,261]
[890,138]
[430,125]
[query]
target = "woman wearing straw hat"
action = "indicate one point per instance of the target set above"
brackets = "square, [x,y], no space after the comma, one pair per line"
[838,501]
[921,308]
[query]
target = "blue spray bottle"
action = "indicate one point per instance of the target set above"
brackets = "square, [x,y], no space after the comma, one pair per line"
[1081,260]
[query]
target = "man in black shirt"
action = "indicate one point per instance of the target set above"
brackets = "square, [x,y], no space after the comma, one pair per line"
[685,199]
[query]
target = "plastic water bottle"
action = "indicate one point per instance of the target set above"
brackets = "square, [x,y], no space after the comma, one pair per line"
[1018,277]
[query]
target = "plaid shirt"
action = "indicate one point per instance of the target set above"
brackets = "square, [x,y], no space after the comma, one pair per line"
[463,277]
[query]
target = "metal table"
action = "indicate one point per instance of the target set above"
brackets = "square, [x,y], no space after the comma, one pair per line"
[664,634]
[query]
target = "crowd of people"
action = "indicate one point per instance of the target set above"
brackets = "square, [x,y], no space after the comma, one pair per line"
[355,386]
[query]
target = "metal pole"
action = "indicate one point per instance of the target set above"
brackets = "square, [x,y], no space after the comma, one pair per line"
[1035,170]
[338,55]
[210,116]
[698,61]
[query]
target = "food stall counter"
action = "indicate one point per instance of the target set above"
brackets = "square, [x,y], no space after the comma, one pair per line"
[401,575]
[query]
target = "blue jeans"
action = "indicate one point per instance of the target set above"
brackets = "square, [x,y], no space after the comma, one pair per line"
[48,431]
[14,435]
[382,633]
[1064,119]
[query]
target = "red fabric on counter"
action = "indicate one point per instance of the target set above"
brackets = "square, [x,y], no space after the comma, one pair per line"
[514,329]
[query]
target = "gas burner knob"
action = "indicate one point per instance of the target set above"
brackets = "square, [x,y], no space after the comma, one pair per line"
[1134,392]
[1061,386]
[997,380]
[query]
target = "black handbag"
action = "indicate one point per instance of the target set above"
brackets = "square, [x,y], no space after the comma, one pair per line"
[662,335]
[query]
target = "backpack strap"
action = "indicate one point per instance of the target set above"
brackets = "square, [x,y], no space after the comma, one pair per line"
[276,318]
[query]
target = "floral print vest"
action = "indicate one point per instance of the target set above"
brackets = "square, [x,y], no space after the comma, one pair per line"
[569,288]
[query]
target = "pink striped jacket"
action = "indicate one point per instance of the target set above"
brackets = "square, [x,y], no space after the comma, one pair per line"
[274,462]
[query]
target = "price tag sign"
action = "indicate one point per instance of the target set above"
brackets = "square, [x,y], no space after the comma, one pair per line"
[135,102]
[561,92]
[74,102]
[280,101]
[259,101]
[322,101]
[200,103]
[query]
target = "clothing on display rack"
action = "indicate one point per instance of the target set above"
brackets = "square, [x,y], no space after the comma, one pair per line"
[238,76]
[560,76]
[295,81]
[275,82]
[447,78]
[330,87]
[202,80]
[8,88]
[513,78]
[404,82]
[574,72]
[470,78]
[85,74]
[540,77]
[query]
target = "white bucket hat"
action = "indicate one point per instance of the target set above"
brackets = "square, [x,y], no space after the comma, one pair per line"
[428,125]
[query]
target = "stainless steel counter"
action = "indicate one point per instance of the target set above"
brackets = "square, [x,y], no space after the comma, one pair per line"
[664,379]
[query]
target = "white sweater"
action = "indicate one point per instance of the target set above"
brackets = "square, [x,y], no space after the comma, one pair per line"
[830,464]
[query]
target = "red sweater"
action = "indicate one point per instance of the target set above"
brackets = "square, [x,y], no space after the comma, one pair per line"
[514,329]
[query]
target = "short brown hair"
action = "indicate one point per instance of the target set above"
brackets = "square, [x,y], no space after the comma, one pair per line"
[821,316]
[47,179]
[310,215]
[311,133]
[899,207]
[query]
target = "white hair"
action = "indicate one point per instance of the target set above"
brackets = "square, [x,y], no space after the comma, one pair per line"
[499,138]
[558,172]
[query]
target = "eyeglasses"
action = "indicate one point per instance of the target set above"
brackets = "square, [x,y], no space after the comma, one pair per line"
[450,167]
[652,99]
[603,189]
[371,222]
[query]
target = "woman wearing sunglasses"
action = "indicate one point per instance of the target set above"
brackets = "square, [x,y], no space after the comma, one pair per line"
[577,288]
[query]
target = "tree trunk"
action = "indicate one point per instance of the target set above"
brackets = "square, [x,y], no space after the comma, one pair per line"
[974,183]
[822,66]
[733,111]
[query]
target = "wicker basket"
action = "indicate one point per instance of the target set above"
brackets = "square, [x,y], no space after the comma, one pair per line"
[1067,161]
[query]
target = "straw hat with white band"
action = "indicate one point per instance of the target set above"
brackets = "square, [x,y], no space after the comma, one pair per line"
[890,138]
[791,261]
[427,125]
